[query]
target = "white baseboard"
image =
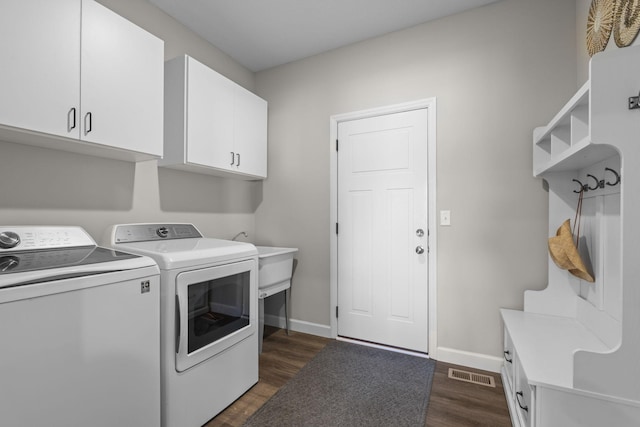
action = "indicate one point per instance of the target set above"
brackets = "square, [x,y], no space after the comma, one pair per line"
[449,355]
[469,359]
[298,326]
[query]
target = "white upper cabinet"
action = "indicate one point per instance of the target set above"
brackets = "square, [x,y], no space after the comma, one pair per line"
[210,118]
[40,72]
[122,75]
[78,77]
[250,123]
[212,125]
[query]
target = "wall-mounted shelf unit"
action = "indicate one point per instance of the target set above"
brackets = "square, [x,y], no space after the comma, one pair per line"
[571,356]
[565,143]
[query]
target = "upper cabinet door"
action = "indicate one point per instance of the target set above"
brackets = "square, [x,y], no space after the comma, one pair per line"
[250,132]
[40,72]
[212,125]
[122,82]
[209,117]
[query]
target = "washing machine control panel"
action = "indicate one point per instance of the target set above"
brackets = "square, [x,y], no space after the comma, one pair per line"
[33,238]
[129,233]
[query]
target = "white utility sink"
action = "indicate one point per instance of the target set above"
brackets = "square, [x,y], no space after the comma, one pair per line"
[275,268]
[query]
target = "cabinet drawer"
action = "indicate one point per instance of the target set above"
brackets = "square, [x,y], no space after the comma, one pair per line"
[509,358]
[524,396]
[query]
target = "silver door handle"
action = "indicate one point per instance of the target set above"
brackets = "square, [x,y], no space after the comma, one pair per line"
[419,250]
[88,119]
[71,119]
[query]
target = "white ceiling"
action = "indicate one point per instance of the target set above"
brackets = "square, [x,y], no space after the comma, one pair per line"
[261,34]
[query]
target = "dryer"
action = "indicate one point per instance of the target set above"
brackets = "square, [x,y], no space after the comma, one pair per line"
[209,335]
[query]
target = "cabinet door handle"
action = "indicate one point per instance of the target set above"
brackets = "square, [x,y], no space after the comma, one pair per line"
[233,158]
[507,353]
[238,163]
[87,123]
[518,395]
[71,119]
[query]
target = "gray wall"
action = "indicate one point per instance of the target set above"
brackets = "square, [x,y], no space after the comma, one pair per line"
[40,186]
[497,72]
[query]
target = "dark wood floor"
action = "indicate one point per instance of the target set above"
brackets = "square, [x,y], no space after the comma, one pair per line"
[452,402]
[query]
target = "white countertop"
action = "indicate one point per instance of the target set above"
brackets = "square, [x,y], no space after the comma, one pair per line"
[546,344]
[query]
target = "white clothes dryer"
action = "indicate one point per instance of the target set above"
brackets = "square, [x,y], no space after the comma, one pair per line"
[209,300]
[79,331]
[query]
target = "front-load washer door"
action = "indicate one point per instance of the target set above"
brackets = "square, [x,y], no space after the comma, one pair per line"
[216,308]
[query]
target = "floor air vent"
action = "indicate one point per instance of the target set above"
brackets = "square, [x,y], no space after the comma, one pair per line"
[471,377]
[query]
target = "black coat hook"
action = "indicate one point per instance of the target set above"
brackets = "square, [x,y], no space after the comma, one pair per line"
[617,177]
[583,187]
[598,185]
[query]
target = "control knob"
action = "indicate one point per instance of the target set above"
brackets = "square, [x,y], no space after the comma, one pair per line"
[8,263]
[9,239]
[162,232]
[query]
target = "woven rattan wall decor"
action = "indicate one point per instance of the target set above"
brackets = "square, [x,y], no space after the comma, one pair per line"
[599,25]
[626,23]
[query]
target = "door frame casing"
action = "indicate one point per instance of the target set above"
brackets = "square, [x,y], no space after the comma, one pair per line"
[430,105]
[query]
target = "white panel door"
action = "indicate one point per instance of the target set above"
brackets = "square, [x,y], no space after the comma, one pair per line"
[382,206]
[40,72]
[122,82]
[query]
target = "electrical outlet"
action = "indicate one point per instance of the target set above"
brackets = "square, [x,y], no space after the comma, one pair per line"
[445,217]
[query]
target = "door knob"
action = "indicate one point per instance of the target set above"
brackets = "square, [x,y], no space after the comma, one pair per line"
[419,250]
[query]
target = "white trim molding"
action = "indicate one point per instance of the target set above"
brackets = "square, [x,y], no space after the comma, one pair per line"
[299,326]
[430,105]
[469,359]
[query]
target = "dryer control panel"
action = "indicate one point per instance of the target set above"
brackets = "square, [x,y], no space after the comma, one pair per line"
[129,233]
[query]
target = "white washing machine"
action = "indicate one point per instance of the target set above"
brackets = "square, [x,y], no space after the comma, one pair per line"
[209,301]
[79,331]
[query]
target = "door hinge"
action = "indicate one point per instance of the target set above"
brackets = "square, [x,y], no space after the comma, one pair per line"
[336,228]
[336,145]
[336,311]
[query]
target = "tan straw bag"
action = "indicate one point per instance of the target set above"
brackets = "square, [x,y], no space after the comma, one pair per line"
[564,251]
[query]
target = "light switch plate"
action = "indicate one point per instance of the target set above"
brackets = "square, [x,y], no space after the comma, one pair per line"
[445,217]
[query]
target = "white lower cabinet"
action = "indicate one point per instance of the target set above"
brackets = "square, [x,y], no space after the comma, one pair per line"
[519,394]
[509,360]
[212,125]
[537,376]
[76,76]
[524,396]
